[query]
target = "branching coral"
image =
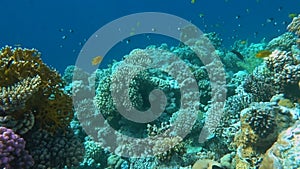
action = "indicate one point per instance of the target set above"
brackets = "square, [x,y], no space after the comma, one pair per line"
[12,151]
[55,151]
[13,101]
[37,89]
[294,26]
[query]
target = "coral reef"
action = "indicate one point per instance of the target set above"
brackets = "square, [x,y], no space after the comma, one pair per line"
[285,69]
[285,151]
[13,102]
[294,26]
[95,156]
[29,87]
[12,151]
[260,125]
[260,84]
[159,107]
[54,151]
[283,42]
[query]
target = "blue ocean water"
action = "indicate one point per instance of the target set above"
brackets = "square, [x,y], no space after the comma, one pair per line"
[58,29]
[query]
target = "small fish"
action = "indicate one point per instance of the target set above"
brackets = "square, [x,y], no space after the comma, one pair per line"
[18,45]
[193,1]
[284,22]
[270,20]
[292,15]
[263,54]
[237,17]
[138,24]
[201,15]
[243,42]
[97,60]
[238,54]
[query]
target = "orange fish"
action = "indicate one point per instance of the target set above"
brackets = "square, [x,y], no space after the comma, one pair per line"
[97,60]
[263,54]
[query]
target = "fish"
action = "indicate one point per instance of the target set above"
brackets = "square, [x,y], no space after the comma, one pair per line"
[238,54]
[97,60]
[193,1]
[17,45]
[243,42]
[263,53]
[270,20]
[292,15]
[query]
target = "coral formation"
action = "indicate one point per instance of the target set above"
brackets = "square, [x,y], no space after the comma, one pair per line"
[12,151]
[95,156]
[285,69]
[13,101]
[147,110]
[283,42]
[294,26]
[285,151]
[54,151]
[29,85]
[260,125]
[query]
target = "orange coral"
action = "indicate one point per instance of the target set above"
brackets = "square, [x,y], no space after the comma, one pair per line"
[51,106]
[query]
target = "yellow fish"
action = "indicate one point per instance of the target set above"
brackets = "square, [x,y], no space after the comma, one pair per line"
[263,54]
[243,42]
[193,1]
[292,15]
[97,60]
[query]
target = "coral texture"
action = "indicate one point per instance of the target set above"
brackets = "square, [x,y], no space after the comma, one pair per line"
[54,151]
[29,85]
[285,152]
[294,26]
[12,151]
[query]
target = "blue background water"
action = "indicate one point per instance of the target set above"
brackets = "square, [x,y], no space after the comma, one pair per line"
[59,28]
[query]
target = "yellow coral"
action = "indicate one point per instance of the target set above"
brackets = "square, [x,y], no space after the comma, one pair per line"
[51,106]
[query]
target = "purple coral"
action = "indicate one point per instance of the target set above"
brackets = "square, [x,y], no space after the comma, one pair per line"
[12,151]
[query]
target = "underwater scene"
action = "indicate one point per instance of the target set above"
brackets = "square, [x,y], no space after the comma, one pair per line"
[186,84]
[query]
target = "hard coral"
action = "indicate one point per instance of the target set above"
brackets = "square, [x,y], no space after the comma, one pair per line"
[12,151]
[55,151]
[260,125]
[294,26]
[13,99]
[285,151]
[51,107]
